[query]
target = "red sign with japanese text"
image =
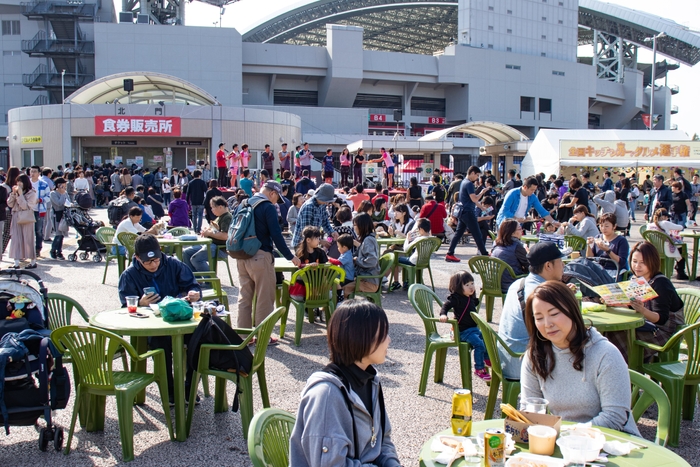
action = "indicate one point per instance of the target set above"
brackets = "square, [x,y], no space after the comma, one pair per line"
[436,120]
[137,126]
[377,117]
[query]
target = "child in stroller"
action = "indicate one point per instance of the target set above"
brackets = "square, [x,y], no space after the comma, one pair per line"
[80,220]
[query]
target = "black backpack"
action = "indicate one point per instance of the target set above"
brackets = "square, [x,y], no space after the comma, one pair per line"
[115,210]
[214,330]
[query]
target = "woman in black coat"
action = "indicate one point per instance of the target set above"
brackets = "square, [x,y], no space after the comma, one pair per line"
[211,193]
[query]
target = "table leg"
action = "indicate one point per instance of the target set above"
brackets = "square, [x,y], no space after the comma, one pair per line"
[141,346]
[178,251]
[635,354]
[179,387]
[212,259]
[694,271]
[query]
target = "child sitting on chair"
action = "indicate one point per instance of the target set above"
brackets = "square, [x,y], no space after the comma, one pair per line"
[422,230]
[347,262]
[309,253]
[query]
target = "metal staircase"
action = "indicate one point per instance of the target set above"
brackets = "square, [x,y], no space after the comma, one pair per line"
[64,45]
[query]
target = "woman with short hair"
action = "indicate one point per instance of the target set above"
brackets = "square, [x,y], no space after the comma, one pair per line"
[342,419]
[510,249]
[609,245]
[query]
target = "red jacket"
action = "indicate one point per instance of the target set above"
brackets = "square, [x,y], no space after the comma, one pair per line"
[436,218]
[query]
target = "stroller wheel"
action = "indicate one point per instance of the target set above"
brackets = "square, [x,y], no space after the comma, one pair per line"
[43,439]
[72,257]
[83,256]
[58,439]
[97,258]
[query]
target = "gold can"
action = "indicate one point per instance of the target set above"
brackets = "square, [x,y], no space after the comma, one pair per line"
[494,448]
[462,412]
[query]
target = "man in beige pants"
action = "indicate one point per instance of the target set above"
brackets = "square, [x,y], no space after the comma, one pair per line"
[257,274]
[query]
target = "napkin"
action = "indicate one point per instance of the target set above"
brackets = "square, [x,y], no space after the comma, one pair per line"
[618,448]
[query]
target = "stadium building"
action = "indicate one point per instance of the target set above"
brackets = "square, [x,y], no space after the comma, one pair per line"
[84,82]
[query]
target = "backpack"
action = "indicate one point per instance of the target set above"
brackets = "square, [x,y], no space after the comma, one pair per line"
[115,210]
[214,330]
[242,242]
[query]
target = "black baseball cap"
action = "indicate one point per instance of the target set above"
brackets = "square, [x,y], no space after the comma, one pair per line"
[147,248]
[543,252]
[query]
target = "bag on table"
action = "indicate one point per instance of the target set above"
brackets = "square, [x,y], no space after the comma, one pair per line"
[175,309]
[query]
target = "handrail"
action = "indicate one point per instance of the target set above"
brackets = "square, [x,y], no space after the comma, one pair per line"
[68,8]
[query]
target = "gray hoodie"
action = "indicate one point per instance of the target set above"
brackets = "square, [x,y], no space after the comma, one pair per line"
[599,394]
[608,204]
[367,262]
[323,432]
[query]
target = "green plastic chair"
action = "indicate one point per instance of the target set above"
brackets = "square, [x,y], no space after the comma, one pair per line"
[691,304]
[216,292]
[105,235]
[659,239]
[422,298]
[679,379]
[575,242]
[321,283]
[491,271]
[646,392]
[92,350]
[511,388]
[493,235]
[177,231]
[642,229]
[127,239]
[386,262]
[60,310]
[268,438]
[218,259]
[262,335]
[425,247]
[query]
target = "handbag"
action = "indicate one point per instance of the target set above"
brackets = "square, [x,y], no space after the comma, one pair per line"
[25,217]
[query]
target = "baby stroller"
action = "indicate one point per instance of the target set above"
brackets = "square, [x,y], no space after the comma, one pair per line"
[28,357]
[80,220]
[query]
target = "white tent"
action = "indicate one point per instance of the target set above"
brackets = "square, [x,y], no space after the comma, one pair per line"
[552,149]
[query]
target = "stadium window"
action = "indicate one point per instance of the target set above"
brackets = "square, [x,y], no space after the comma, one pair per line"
[561,3]
[560,40]
[544,18]
[490,8]
[558,73]
[545,106]
[490,46]
[543,54]
[10,28]
[561,21]
[509,12]
[527,104]
[544,1]
[9,53]
[490,28]
[509,49]
[544,37]
[509,31]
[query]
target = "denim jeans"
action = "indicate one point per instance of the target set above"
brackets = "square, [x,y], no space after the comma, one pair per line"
[57,244]
[122,250]
[38,230]
[473,225]
[473,336]
[197,259]
[197,215]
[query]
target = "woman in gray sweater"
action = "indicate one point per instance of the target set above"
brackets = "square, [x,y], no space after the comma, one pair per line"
[582,375]
[367,259]
[58,199]
[586,226]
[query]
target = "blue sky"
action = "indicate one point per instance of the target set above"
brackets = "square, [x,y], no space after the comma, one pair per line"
[245,14]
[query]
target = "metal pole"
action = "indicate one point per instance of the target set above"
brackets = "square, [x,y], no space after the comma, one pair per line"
[63,88]
[653,76]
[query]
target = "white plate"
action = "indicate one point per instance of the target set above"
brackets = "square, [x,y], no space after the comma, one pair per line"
[524,459]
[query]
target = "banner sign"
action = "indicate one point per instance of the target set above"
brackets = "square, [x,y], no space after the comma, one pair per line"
[646,118]
[377,117]
[137,126]
[597,152]
[31,139]
[436,120]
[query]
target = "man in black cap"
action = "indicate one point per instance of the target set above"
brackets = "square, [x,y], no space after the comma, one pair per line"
[545,265]
[169,277]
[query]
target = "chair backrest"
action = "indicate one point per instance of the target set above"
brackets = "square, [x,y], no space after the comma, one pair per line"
[491,342]
[493,235]
[425,248]
[491,271]
[691,304]
[177,231]
[92,350]
[385,263]
[642,229]
[575,242]
[658,239]
[319,280]
[422,298]
[105,235]
[127,239]
[652,393]
[268,438]
[264,331]
[691,335]
[60,308]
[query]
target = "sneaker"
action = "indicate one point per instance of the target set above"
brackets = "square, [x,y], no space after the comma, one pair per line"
[483,374]
[405,285]
[385,280]
[452,259]
[395,286]
[197,400]
[60,256]
[53,255]
[319,314]
[274,341]
[487,362]
[680,275]
[33,266]
[171,399]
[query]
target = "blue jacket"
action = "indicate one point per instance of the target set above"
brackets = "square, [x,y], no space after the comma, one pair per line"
[172,278]
[665,199]
[511,203]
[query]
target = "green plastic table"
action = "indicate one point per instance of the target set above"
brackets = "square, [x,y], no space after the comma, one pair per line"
[140,329]
[284,265]
[388,241]
[529,239]
[695,235]
[652,456]
[178,245]
[617,319]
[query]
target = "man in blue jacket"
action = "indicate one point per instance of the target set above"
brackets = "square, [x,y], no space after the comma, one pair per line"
[659,197]
[169,277]
[518,203]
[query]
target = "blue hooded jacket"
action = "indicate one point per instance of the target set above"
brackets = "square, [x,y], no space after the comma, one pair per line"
[172,278]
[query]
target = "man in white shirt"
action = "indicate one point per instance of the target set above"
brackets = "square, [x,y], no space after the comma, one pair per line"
[131,224]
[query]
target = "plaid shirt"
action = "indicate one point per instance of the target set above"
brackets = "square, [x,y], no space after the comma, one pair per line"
[311,213]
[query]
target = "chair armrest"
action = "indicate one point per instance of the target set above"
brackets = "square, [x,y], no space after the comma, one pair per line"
[651,346]
[507,348]
[150,353]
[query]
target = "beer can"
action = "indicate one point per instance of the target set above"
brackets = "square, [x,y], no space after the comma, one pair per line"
[462,412]
[494,448]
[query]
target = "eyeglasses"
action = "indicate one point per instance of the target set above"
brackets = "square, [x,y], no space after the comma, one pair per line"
[151,261]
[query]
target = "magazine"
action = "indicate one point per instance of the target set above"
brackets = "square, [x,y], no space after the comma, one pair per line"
[620,293]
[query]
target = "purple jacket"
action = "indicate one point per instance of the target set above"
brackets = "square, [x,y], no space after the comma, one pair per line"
[178,212]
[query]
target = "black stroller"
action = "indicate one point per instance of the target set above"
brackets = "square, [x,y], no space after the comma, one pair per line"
[78,218]
[28,357]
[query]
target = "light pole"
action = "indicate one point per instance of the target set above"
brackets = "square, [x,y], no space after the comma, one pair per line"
[63,87]
[653,76]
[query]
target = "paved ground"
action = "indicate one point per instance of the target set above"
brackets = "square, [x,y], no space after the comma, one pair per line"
[217,439]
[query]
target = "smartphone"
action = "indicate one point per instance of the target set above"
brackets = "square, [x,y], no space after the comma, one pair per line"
[138,315]
[149,290]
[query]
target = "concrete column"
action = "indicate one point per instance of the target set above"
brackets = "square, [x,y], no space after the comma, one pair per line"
[345,66]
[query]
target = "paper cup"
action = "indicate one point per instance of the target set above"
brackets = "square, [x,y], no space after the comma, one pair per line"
[575,254]
[542,439]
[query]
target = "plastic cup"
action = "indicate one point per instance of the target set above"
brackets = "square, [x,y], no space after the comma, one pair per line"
[132,303]
[197,308]
[542,439]
[534,405]
[473,461]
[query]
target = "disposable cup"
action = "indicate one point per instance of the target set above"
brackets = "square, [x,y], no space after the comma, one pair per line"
[542,439]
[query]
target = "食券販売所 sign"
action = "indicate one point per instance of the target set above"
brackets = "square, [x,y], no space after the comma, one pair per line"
[137,126]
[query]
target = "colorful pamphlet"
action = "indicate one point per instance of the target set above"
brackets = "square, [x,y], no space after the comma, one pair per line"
[620,293]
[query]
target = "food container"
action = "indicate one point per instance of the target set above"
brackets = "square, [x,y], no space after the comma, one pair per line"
[542,439]
[591,448]
[519,430]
